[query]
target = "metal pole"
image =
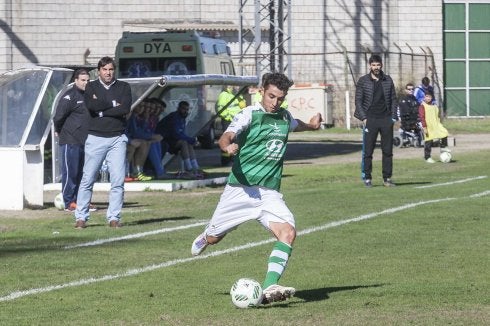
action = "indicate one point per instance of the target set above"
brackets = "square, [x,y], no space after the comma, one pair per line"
[290,42]
[258,39]
[272,36]
[280,35]
[240,36]
[10,46]
[347,110]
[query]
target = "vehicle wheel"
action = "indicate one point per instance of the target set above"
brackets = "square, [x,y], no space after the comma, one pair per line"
[207,139]
[397,141]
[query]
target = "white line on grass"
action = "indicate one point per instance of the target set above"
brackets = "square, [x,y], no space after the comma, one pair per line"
[481,194]
[452,182]
[135,235]
[144,234]
[136,271]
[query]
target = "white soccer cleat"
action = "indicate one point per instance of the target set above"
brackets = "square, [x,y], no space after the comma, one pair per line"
[276,292]
[199,244]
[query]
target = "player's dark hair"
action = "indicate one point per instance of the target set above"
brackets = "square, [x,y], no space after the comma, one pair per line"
[281,81]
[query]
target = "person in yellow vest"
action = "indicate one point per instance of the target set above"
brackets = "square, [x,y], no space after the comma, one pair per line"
[227,115]
[433,128]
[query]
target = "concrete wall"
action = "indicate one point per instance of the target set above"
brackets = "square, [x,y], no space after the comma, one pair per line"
[56,32]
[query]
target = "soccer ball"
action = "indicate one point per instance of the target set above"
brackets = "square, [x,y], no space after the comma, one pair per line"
[58,201]
[246,293]
[445,157]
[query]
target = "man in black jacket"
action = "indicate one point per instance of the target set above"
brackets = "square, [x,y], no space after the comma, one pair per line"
[376,107]
[108,101]
[70,123]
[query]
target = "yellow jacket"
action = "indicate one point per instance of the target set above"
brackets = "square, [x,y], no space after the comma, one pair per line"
[429,116]
[235,107]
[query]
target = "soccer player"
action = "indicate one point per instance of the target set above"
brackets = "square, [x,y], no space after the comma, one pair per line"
[257,138]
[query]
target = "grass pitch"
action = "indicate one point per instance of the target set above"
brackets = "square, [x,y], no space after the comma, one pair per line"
[416,254]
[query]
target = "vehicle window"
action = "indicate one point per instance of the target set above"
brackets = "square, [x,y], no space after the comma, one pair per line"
[226,68]
[154,67]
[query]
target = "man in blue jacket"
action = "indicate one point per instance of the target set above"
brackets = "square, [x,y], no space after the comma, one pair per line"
[172,128]
[376,107]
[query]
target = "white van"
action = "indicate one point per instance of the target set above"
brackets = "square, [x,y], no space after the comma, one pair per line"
[154,54]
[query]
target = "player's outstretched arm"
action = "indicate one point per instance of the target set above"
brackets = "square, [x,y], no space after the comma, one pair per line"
[226,143]
[314,124]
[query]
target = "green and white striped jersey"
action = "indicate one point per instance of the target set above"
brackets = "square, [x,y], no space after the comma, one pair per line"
[262,139]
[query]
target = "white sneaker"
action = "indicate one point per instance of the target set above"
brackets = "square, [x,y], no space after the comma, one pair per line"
[199,244]
[276,292]
[430,160]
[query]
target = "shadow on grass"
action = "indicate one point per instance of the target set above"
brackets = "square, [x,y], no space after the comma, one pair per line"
[158,220]
[103,205]
[412,183]
[323,293]
[96,221]
[53,242]
[315,295]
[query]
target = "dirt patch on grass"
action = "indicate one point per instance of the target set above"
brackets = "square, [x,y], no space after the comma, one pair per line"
[346,148]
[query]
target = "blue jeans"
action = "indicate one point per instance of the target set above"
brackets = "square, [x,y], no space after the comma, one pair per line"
[155,157]
[113,150]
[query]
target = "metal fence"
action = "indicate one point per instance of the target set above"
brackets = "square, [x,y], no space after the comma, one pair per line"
[340,70]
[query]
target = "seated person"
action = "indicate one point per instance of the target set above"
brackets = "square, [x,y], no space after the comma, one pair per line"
[172,128]
[137,148]
[153,108]
[408,114]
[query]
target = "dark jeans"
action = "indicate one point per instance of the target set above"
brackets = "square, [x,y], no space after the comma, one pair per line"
[72,157]
[428,146]
[375,126]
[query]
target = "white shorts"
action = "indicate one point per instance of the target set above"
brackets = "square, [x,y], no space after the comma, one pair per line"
[239,204]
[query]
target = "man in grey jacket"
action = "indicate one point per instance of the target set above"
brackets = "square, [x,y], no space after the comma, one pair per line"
[376,107]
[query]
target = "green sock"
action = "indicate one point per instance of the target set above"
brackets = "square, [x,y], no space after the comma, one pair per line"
[277,263]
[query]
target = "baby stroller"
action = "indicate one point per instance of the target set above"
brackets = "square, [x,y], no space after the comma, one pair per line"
[410,132]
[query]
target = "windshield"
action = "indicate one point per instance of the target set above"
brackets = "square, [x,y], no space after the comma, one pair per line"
[25,104]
